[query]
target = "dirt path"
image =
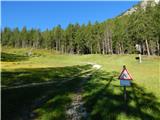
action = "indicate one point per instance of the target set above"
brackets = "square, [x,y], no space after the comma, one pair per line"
[76,110]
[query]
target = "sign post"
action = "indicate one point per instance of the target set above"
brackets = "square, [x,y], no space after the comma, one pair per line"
[125,94]
[138,48]
[125,80]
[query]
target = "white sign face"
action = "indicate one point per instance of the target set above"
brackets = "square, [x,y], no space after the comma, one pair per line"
[125,82]
[125,75]
[138,47]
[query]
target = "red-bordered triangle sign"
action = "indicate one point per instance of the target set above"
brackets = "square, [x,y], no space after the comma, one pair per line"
[125,75]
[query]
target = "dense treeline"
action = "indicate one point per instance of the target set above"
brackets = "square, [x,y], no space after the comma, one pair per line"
[114,36]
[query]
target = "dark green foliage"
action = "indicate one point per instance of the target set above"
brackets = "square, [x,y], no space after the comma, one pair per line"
[9,57]
[118,35]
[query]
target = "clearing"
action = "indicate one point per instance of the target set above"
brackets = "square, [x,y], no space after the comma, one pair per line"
[49,85]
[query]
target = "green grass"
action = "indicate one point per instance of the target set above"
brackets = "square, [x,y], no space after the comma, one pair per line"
[103,96]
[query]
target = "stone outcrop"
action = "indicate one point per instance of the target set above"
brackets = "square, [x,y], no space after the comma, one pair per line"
[142,5]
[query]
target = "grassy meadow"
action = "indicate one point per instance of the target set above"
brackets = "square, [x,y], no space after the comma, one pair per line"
[61,74]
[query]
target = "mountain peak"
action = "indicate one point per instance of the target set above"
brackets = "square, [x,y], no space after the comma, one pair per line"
[143,4]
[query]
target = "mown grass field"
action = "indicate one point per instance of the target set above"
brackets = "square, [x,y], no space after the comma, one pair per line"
[102,95]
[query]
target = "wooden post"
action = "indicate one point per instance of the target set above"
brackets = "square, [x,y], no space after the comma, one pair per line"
[140,59]
[139,50]
[124,67]
[125,94]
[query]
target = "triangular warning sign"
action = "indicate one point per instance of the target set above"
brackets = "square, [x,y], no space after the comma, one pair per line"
[125,75]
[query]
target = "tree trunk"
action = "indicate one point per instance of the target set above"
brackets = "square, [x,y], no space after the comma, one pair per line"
[147,47]
[56,46]
[65,48]
[99,47]
[59,44]
[158,47]
[122,48]
[62,49]
[78,51]
[23,43]
[107,43]
[119,51]
[111,46]
[91,49]
[143,49]
[103,47]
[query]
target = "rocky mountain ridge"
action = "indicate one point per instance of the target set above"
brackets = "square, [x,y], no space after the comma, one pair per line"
[143,4]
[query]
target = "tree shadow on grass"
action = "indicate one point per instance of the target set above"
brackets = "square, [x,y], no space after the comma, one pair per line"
[106,102]
[9,57]
[17,103]
[103,98]
[37,75]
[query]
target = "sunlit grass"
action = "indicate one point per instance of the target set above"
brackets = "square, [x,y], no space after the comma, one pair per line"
[147,73]
[46,65]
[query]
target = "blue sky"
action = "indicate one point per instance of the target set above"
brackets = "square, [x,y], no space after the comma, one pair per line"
[45,15]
